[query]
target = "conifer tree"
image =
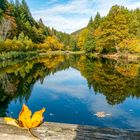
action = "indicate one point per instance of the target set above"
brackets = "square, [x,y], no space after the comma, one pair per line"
[90,24]
[3,5]
[90,45]
[97,21]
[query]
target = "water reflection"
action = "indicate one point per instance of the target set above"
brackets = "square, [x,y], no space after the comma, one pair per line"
[115,80]
[62,83]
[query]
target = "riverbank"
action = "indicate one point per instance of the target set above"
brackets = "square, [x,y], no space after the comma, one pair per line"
[61,53]
[116,56]
[128,57]
[33,54]
[60,131]
[17,55]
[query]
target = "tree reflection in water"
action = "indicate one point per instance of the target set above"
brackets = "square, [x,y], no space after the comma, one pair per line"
[115,80]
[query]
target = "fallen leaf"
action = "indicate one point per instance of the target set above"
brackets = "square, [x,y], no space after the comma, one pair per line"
[26,119]
[102,114]
[37,118]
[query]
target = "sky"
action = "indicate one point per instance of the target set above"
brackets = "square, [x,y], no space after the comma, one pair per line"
[71,15]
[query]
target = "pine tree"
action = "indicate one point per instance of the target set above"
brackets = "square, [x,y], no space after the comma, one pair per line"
[26,8]
[21,36]
[41,24]
[3,5]
[97,21]
[90,45]
[90,24]
[17,3]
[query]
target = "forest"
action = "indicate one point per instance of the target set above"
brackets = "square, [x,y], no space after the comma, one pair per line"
[21,35]
[118,32]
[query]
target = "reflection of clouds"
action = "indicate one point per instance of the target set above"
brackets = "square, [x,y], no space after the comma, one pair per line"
[98,103]
[66,82]
[66,75]
[134,122]
[72,84]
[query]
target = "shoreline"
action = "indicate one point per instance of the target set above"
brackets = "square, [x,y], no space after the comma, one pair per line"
[5,56]
[128,57]
[55,131]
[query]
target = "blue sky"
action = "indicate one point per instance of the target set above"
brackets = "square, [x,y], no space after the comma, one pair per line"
[71,15]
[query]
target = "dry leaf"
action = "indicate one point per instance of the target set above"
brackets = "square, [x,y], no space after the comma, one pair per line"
[37,118]
[25,117]
[25,120]
[102,114]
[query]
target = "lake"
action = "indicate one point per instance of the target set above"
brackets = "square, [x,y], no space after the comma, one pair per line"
[74,89]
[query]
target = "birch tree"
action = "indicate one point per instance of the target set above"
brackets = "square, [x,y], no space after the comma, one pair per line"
[5,27]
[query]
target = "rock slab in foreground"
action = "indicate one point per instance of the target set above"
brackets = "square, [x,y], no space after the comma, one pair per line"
[57,131]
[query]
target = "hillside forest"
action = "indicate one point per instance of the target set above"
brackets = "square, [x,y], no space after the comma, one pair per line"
[21,34]
[118,32]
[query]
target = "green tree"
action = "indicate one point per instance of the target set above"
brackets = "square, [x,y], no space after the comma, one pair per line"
[3,5]
[90,24]
[21,36]
[90,45]
[97,21]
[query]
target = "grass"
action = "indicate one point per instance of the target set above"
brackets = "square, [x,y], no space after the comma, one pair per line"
[60,53]
[17,55]
[32,54]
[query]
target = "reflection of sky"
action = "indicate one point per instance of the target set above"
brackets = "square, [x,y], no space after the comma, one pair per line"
[68,99]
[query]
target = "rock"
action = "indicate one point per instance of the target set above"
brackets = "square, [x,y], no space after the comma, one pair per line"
[60,131]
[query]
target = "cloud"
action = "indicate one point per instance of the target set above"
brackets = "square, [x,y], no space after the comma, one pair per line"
[60,83]
[72,15]
[66,17]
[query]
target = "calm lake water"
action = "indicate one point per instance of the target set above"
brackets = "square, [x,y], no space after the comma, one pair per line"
[73,89]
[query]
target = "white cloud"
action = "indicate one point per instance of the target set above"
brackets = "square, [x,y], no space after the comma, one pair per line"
[61,83]
[75,14]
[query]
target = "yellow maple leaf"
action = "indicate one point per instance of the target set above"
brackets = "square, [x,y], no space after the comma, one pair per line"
[25,119]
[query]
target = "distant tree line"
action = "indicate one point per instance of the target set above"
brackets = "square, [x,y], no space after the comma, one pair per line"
[118,32]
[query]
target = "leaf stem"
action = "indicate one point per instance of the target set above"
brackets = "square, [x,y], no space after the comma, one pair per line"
[29,130]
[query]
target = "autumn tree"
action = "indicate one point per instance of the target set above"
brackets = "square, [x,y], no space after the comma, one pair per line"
[82,39]
[113,29]
[52,44]
[134,23]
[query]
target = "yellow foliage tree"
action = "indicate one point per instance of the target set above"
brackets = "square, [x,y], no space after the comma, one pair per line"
[52,44]
[129,45]
[81,39]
